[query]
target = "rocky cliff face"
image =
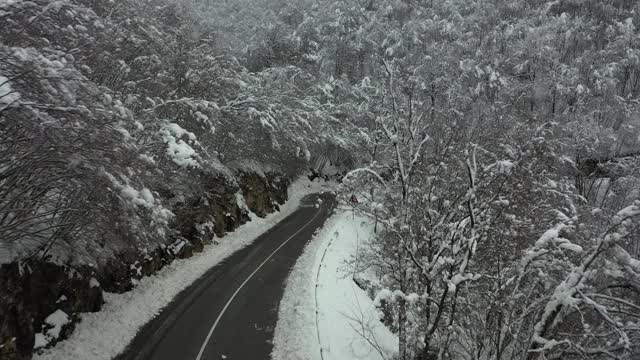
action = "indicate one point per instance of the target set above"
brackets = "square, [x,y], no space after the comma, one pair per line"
[40,302]
[31,292]
[263,193]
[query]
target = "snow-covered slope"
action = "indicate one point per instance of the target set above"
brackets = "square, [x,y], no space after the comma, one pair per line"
[347,324]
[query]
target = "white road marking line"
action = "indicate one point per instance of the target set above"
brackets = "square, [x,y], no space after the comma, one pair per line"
[224,309]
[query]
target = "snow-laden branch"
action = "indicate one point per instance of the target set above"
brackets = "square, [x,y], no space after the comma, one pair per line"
[417,153]
[366,170]
[567,292]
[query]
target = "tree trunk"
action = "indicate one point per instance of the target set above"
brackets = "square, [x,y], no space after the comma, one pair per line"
[402,330]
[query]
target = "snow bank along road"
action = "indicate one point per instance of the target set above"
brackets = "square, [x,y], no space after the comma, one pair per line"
[323,313]
[231,312]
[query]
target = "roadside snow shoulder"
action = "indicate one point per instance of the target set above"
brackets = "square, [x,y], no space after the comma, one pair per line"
[347,324]
[105,334]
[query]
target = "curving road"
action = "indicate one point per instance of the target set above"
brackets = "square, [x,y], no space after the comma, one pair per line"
[231,312]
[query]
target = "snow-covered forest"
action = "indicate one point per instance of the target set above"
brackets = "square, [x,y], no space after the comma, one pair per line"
[494,144]
[109,108]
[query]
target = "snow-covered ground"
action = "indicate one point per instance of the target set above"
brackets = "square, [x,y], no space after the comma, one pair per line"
[347,324]
[105,334]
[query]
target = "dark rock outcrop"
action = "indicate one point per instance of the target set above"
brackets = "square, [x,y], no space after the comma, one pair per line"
[117,274]
[263,193]
[213,212]
[32,291]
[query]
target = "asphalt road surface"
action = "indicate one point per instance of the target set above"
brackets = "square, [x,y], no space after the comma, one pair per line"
[231,312]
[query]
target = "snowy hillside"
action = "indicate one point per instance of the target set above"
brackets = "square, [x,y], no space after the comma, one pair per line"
[490,145]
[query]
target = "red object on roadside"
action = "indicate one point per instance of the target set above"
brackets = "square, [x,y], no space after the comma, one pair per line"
[354,199]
